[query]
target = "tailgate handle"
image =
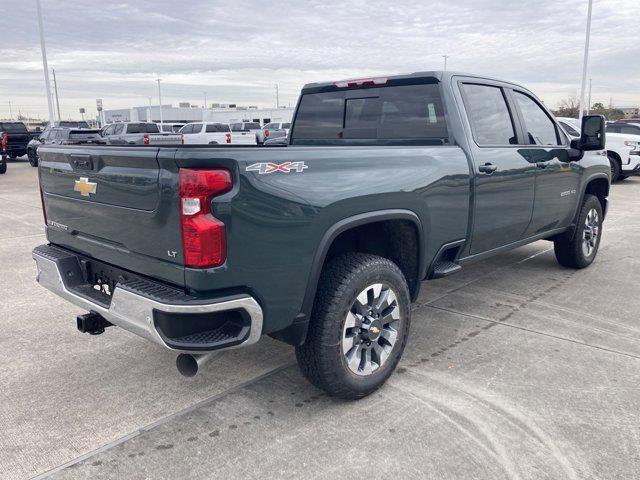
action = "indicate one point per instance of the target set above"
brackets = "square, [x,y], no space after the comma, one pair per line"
[82,162]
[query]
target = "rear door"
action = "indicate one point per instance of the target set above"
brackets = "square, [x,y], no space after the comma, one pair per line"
[504,179]
[557,177]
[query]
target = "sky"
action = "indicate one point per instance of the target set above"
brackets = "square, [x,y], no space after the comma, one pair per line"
[237,52]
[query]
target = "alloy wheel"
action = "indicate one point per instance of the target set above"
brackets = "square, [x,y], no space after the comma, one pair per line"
[591,232]
[371,329]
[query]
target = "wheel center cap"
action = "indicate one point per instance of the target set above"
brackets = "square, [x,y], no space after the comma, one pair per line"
[372,330]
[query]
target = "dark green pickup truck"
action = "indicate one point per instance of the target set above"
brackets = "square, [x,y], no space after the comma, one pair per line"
[324,242]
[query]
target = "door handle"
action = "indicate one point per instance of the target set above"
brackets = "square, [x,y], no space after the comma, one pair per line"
[541,164]
[487,168]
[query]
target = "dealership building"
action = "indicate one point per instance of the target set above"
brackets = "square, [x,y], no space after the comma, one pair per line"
[185,113]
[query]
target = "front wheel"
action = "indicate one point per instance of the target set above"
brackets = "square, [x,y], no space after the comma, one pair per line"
[580,251]
[359,326]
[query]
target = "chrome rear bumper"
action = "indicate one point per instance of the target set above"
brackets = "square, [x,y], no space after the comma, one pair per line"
[134,311]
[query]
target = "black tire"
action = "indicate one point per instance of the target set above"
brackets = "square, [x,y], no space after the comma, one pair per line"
[615,167]
[3,166]
[322,358]
[574,253]
[13,156]
[33,158]
[622,177]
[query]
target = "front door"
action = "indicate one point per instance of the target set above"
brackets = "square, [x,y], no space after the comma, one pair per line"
[557,177]
[504,179]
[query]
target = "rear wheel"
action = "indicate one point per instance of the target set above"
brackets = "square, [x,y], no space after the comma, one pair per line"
[359,326]
[582,249]
[615,167]
[33,158]
[3,165]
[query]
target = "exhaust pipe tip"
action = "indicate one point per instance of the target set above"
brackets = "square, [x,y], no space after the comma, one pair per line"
[188,365]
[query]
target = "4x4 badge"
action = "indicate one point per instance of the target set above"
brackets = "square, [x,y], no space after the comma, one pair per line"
[286,167]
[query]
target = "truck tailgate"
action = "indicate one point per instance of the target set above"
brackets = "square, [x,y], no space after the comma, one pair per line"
[114,204]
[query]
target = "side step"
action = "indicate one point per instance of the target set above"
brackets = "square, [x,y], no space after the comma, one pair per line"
[443,268]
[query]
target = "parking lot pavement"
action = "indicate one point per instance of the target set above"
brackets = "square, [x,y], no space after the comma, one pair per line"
[515,368]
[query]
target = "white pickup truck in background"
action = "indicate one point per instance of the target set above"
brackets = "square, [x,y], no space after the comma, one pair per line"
[137,133]
[211,133]
[623,149]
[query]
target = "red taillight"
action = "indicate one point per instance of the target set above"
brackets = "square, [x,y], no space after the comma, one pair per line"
[362,82]
[228,137]
[4,142]
[146,138]
[266,134]
[204,238]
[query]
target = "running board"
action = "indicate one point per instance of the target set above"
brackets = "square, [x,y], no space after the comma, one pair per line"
[444,268]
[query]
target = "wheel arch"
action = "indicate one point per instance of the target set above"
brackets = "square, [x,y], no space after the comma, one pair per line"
[598,185]
[297,332]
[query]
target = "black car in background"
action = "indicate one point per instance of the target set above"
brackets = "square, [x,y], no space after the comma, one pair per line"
[62,136]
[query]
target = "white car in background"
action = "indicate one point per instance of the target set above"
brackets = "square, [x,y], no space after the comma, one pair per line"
[623,149]
[212,133]
[273,130]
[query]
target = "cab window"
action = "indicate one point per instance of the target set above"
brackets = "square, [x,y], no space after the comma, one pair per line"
[539,128]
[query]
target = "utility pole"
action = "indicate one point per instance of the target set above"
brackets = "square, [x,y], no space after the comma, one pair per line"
[45,66]
[10,111]
[277,97]
[55,87]
[205,100]
[585,60]
[589,101]
[445,61]
[160,99]
[149,119]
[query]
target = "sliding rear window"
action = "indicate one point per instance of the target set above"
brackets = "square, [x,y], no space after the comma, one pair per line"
[394,115]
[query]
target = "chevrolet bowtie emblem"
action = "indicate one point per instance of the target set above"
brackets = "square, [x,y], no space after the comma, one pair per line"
[375,330]
[84,187]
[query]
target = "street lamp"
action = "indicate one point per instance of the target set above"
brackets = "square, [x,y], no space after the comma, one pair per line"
[445,61]
[584,62]
[45,67]
[160,99]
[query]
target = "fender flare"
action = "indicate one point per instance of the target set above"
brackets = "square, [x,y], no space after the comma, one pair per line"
[346,224]
[572,230]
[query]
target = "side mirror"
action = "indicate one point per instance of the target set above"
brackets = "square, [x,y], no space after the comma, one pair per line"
[592,133]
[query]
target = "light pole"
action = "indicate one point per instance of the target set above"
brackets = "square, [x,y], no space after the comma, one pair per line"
[55,88]
[584,62]
[589,98]
[277,97]
[445,61]
[160,99]
[45,67]
[205,100]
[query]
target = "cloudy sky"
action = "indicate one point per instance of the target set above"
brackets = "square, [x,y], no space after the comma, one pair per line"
[237,51]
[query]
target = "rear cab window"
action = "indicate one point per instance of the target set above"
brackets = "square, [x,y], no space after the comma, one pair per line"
[217,127]
[396,114]
[13,127]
